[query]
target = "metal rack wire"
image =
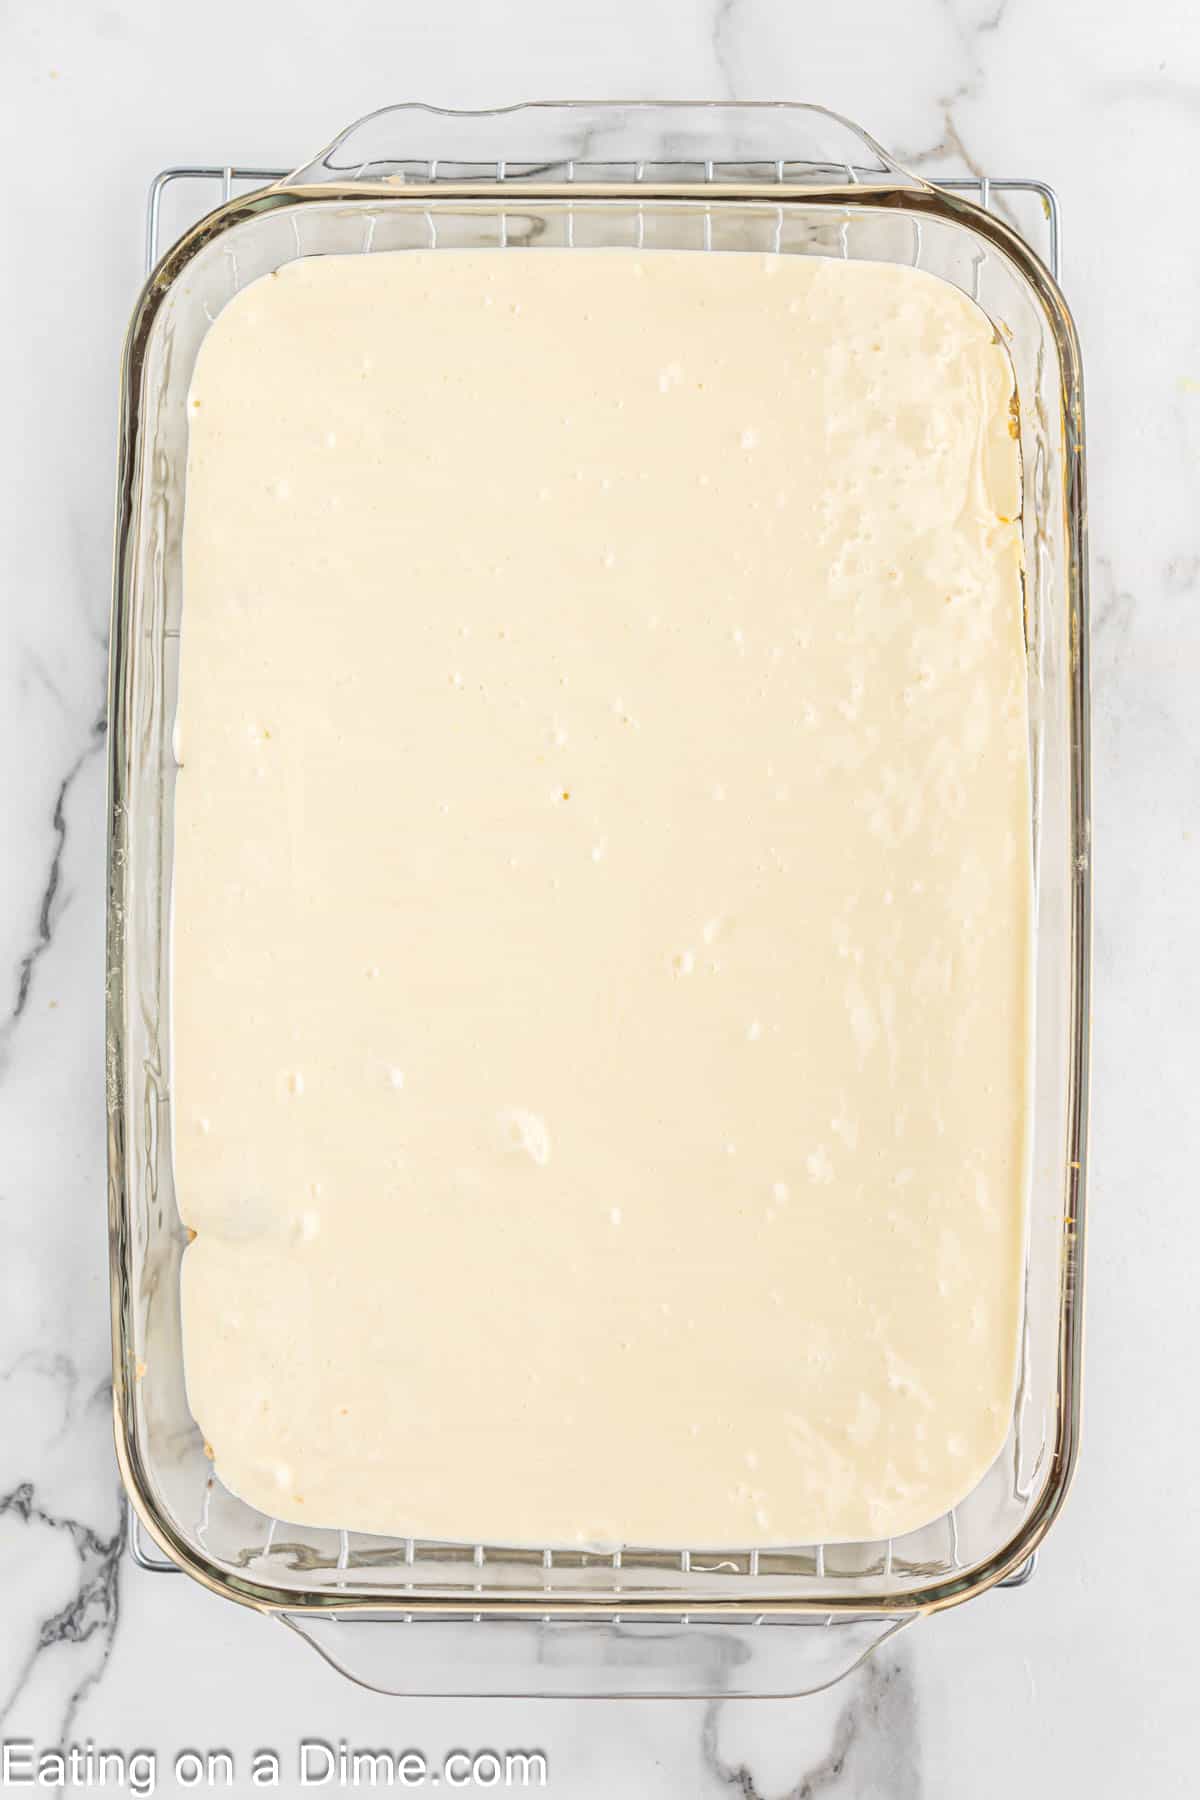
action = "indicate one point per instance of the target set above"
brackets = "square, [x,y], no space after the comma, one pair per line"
[222,180]
[146,1556]
[209,185]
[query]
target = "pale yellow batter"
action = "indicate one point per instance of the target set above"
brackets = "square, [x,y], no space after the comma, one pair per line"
[602,897]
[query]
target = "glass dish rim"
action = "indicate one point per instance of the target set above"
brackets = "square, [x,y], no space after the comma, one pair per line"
[921,198]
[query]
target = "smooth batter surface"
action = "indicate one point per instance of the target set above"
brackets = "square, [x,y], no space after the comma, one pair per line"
[602,897]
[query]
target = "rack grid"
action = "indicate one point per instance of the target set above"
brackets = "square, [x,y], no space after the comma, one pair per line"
[211,184]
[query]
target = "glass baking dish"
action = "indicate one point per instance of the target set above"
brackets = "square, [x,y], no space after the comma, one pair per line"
[486,1618]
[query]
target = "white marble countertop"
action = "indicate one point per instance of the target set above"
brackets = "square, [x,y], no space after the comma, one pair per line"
[1078,1684]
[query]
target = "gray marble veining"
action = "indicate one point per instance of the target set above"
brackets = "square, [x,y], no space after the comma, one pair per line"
[873,1750]
[1079,1683]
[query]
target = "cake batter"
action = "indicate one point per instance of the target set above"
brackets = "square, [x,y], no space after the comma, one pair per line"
[602,897]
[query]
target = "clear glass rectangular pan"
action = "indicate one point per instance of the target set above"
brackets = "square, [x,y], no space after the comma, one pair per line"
[785,178]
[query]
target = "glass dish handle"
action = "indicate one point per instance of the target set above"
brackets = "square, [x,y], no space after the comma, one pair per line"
[554,140]
[579,1658]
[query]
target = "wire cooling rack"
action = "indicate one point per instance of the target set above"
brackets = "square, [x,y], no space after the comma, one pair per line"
[191,190]
[181,195]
